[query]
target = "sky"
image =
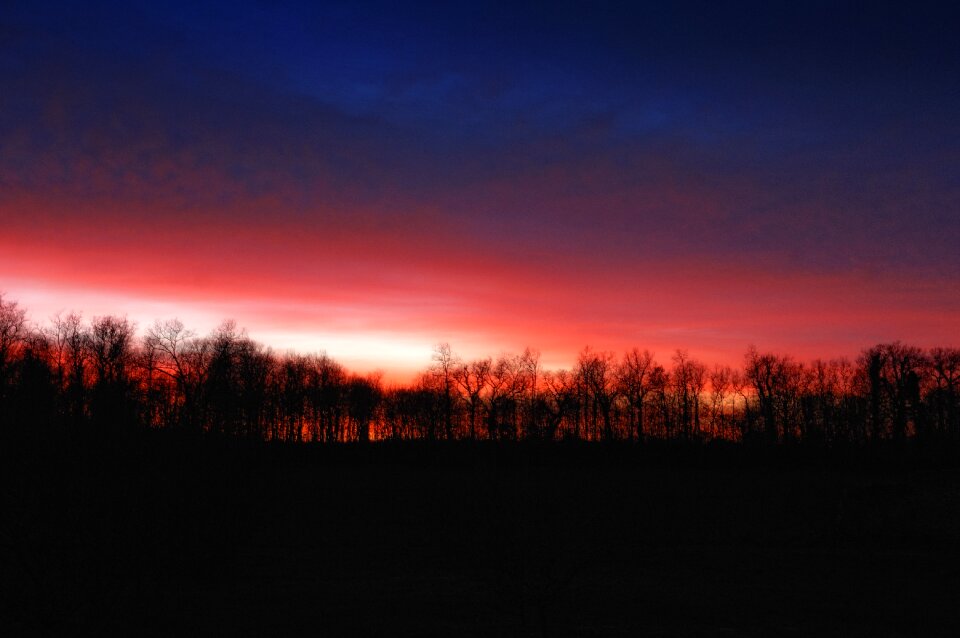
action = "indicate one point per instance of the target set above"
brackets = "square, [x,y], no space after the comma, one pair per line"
[371,179]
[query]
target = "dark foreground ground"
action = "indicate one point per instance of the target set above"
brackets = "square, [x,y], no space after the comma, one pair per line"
[161,535]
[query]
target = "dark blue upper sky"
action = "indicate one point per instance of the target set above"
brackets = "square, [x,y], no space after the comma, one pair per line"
[501,69]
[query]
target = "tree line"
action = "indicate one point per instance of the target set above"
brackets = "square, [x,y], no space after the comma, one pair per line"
[100,374]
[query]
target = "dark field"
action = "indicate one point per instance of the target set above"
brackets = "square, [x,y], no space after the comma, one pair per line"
[167,536]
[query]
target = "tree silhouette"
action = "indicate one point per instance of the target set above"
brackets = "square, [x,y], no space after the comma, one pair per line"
[633,378]
[70,374]
[12,337]
[944,395]
[472,379]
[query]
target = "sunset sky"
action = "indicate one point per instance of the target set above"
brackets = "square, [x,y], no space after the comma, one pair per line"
[371,179]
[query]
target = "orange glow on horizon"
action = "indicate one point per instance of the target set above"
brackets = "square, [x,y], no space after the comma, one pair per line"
[381,299]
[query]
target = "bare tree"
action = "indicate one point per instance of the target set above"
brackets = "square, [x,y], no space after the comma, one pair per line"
[689,380]
[945,393]
[721,387]
[170,345]
[562,404]
[529,369]
[13,321]
[660,382]
[634,381]
[445,364]
[473,379]
[363,399]
[697,377]
[739,386]
[595,371]
[894,373]
[769,375]
[72,362]
[110,342]
[326,383]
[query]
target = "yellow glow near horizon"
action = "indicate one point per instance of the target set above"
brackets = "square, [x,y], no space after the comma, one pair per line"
[360,351]
[397,356]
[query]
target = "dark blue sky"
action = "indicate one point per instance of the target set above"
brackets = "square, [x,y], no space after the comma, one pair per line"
[453,145]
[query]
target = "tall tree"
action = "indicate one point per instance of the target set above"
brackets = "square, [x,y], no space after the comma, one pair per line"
[110,341]
[945,393]
[13,321]
[595,370]
[473,379]
[634,383]
[445,364]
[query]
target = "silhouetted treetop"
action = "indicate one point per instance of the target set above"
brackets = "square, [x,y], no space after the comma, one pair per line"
[101,374]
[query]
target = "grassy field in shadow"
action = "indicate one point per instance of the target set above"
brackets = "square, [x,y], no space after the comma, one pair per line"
[166,535]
